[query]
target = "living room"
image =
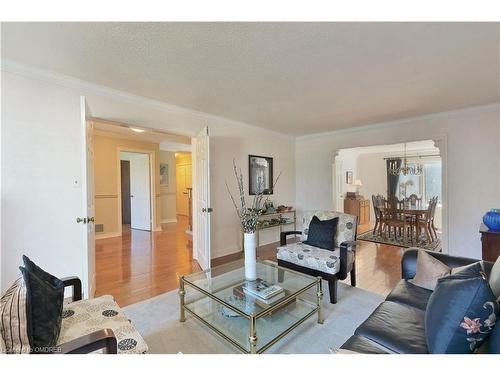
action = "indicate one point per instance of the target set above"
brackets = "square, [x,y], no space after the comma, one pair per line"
[272,114]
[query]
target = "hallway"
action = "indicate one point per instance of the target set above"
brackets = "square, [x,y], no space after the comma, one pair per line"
[139,265]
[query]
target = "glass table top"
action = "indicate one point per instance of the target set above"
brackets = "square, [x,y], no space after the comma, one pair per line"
[226,282]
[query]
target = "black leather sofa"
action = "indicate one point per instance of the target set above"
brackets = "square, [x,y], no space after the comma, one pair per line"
[397,324]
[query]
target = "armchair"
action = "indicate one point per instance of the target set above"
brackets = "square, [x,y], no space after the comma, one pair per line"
[329,265]
[96,325]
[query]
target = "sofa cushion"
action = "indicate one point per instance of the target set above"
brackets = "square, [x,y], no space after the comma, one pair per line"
[468,271]
[410,294]
[494,279]
[396,326]
[311,257]
[45,295]
[360,344]
[87,316]
[429,271]
[460,315]
[322,233]
[13,319]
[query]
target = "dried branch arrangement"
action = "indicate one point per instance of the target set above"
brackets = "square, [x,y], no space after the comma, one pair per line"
[249,215]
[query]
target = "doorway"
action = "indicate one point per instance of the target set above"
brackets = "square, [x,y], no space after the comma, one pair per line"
[135,183]
[362,174]
[143,241]
[184,187]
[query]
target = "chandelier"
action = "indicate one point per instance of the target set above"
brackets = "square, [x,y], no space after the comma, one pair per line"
[404,168]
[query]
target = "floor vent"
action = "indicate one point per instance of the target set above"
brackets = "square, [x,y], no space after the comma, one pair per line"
[99,228]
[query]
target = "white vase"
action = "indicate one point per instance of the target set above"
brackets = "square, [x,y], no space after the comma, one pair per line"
[250,256]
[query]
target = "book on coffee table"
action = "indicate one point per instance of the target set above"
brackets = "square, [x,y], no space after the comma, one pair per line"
[264,304]
[261,289]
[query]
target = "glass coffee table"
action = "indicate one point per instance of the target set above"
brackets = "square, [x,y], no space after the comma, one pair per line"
[216,298]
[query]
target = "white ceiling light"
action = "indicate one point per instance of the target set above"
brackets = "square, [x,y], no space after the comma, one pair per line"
[137,130]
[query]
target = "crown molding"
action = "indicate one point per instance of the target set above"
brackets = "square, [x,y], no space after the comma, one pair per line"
[13,67]
[388,124]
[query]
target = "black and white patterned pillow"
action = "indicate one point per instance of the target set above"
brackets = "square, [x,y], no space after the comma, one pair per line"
[13,321]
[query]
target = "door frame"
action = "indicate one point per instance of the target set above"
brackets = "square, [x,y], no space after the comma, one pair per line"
[152,190]
[88,198]
[440,142]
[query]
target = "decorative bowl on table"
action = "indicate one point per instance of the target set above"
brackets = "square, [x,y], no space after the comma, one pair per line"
[492,219]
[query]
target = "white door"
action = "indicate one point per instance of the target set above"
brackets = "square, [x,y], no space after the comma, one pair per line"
[140,192]
[88,230]
[201,192]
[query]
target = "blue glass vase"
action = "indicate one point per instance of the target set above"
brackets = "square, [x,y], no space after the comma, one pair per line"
[492,220]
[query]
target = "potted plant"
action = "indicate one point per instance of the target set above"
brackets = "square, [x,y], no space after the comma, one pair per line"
[249,219]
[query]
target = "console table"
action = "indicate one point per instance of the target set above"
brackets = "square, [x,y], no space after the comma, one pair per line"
[274,220]
[491,243]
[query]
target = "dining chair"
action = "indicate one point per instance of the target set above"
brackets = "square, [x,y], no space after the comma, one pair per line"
[377,201]
[394,218]
[425,223]
[414,201]
[433,227]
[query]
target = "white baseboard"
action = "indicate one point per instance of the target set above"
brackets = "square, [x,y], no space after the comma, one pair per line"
[168,221]
[107,235]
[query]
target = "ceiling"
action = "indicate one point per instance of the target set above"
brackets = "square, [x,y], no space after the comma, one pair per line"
[294,78]
[166,140]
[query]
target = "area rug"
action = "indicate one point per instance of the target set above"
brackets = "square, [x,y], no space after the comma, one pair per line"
[157,319]
[421,242]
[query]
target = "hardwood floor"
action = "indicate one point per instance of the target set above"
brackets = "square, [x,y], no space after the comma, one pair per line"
[378,266]
[140,265]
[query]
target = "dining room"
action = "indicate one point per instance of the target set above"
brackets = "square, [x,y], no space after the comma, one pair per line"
[396,192]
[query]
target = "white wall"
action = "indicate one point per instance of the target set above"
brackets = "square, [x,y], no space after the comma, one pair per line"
[349,163]
[167,193]
[373,175]
[41,159]
[472,168]
[226,143]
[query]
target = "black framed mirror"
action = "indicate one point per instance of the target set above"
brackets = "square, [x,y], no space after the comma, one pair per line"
[260,174]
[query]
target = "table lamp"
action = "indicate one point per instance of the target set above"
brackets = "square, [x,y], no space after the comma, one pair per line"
[357,183]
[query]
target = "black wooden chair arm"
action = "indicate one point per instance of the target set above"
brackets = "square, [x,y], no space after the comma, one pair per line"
[347,258]
[283,236]
[102,339]
[76,283]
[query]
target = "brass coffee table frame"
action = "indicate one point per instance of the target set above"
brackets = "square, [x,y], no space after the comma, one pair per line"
[252,318]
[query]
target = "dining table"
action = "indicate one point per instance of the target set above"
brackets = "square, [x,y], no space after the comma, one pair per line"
[415,212]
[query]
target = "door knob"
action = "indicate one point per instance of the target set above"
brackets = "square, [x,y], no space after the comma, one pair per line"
[203,209]
[81,220]
[91,219]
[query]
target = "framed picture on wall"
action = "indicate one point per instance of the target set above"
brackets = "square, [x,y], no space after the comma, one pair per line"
[348,177]
[260,174]
[163,174]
